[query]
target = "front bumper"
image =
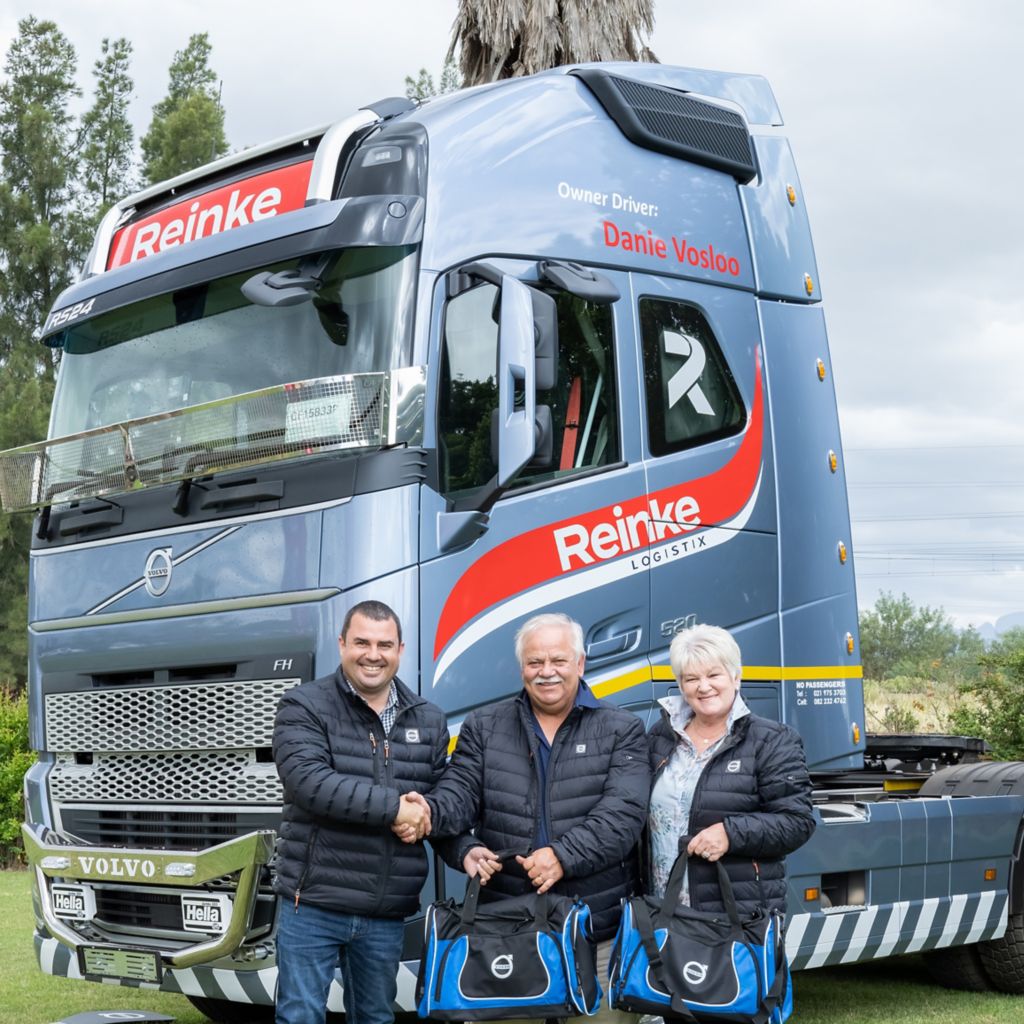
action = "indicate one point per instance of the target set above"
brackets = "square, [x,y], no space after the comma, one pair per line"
[53,858]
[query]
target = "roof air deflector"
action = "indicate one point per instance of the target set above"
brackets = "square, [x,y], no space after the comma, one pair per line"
[675,123]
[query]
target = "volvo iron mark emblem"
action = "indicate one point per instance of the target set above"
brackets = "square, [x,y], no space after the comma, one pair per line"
[158,570]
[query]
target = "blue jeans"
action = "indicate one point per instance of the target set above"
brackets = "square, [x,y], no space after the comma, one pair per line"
[312,940]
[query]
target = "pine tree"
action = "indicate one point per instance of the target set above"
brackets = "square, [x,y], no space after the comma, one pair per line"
[42,238]
[107,135]
[422,86]
[187,129]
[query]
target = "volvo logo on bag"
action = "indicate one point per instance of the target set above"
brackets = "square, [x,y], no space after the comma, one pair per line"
[694,972]
[157,573]
[501,966]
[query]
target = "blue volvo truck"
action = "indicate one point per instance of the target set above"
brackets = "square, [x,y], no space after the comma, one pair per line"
[554,343]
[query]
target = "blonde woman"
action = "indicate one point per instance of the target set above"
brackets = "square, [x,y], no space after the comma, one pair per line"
[734,783]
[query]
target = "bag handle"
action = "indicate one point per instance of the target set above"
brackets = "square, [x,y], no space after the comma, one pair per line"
[646,930]
[675,886]
[469,905]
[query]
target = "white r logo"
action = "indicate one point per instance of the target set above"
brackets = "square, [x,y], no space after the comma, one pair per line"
[684,380]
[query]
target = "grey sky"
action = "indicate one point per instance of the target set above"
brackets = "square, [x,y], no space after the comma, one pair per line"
[904,118]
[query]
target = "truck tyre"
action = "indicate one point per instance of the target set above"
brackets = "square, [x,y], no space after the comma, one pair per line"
[958,967]
[224,1012]
[1004,958]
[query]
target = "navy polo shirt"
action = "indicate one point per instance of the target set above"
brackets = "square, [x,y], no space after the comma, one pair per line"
[584,699]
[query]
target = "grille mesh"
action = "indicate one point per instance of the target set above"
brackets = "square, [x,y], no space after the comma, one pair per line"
[199,716]
[213,777]
[164,829]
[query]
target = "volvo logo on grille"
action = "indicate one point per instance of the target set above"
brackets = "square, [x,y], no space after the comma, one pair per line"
[158,571]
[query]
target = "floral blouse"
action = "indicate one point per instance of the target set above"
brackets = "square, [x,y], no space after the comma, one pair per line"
[672,796]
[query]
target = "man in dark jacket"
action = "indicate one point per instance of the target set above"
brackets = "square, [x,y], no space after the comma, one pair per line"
[555,774]
[350,749]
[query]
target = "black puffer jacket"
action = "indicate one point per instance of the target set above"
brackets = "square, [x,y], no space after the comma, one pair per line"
[756,785]
[598,782]
[342,781]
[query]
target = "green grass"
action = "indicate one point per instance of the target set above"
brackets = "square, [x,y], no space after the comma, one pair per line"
[27,996]
[895,991]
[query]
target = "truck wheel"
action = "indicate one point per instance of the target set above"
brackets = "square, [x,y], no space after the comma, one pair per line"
[1004,958]
[957,967]
[224,1012]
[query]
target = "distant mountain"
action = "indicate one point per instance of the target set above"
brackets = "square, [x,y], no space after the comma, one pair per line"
[1011,621]
[988,632]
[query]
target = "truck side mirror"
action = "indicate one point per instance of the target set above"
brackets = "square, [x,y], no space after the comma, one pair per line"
[545,326]
[517,381]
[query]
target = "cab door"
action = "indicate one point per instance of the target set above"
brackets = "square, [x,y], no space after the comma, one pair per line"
[708,468]
[551,542]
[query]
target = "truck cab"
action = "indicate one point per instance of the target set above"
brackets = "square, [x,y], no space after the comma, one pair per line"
[554,343]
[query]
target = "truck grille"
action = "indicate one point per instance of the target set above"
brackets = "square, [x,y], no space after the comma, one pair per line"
[131,908]
[162,830]
[188,777]
[197,716]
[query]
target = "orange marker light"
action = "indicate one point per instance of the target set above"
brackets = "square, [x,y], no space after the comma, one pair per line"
[990,874]
[833,460]
[821,369]
[842,553]
[849,643]
[855,732]
[809,284]
[791,195]
[812,894]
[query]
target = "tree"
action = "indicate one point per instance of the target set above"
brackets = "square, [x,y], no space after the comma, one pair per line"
[187,129]
[508,38]
[107,135]
[422,86]
[997,714]
[898,639]
[42,237]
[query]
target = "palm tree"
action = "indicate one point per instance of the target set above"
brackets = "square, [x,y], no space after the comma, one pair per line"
[508,38]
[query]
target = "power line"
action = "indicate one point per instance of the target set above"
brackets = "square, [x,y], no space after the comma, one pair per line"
[936,517]
[933,448]
[904,485]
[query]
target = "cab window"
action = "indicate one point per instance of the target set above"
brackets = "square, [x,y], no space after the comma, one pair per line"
[691,395]
[582,402]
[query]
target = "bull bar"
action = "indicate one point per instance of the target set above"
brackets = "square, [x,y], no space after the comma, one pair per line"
[180,868]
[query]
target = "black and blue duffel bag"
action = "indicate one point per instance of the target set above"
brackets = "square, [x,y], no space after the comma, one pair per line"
[525,956]
[703,967]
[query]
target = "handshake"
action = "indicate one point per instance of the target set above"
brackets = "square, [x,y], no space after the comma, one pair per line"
[413,820]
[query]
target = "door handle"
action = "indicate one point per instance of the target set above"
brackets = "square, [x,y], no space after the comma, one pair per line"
[616,644]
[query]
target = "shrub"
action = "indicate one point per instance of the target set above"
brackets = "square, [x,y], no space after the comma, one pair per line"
[998,713]
[15,760]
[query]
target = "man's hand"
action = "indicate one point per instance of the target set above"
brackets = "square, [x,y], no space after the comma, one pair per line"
[413,820]
[543,867]
[481,861]
[711,843]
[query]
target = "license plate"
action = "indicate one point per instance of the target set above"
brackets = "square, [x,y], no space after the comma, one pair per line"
[131,964]
[205,912]
[73,902]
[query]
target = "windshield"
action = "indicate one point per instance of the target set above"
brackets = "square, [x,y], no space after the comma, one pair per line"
[209,342]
